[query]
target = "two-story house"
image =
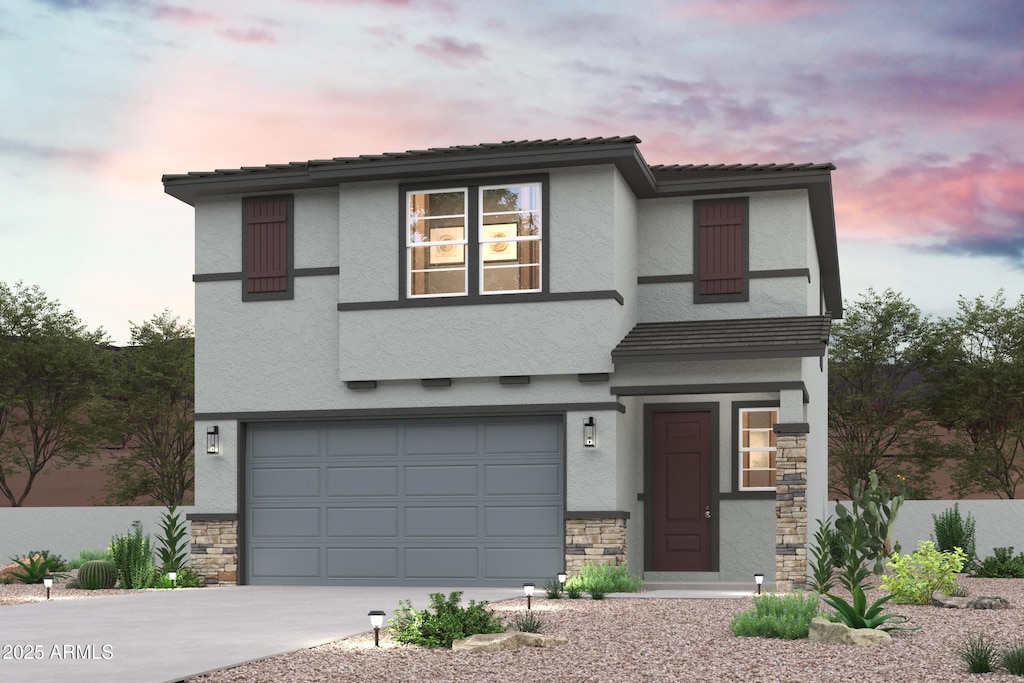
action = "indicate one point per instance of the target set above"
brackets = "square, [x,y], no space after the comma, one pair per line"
[484,364]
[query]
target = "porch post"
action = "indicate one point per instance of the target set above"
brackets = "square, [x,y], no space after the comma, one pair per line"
[791,507]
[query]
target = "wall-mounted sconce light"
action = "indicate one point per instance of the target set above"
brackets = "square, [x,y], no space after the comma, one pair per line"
[758,579]
[48,584]
[173,576]
[376,621]
[590,432]
[213,439]
[528,589]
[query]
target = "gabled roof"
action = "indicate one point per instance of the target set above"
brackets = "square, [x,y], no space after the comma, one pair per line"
[517,156]
[794,337]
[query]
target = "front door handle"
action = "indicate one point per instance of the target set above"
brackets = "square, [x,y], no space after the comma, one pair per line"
[707,512]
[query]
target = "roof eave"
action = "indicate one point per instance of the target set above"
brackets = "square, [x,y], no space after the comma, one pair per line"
[808,351]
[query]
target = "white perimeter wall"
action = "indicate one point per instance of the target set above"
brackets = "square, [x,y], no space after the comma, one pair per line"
[67,531]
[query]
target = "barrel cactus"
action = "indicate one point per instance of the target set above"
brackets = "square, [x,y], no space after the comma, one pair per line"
[96,574]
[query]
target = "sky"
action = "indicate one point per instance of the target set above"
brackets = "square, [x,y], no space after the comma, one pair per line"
[920,105]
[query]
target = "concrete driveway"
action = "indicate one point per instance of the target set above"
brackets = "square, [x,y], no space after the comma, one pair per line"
[165,636]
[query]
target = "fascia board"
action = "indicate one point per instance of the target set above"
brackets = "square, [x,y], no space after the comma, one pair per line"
[756,353]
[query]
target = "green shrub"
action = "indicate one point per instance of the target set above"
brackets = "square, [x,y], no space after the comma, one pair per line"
[1013,658]
[553,589]
[186,578]
[913,578]
[953,531]
[527,622]
[859,614]
[97,574]
[35,565]
[572,591]
[601,579]
[448,622]
[1001,565]
[133,559]
[823,564]
[773,616]
[87,555]
[171,550]
[979,654]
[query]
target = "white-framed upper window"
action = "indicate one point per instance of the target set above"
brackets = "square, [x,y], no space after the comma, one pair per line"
[757,448]
[474,240]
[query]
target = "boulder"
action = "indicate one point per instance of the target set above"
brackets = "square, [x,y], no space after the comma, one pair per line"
[949,602]
[988,602]
[834,633]
[509,640]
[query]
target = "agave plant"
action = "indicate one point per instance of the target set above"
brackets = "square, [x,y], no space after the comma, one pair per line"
[860,615]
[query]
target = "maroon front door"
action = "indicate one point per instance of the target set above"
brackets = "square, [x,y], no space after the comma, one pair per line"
[682,492]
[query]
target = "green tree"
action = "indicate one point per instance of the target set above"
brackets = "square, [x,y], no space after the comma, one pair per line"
[875,405]
[156,378]
[975,374]
[52,373]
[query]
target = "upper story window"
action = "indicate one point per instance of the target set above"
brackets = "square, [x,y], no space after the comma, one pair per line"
[721,250]
[474,239]
[757,448]
[267,240]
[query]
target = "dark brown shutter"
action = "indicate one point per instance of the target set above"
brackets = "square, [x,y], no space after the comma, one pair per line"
[267,225]
[721,248]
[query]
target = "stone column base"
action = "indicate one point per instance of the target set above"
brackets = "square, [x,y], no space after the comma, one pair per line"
[790,511]
[215,548]
[590,538]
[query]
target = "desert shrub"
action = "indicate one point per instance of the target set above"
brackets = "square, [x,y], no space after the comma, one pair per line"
[1001,565]
[133,559]
[527,622]
[87,555]
[553,589]
[953,531]
[601,579]
[1013,658]
[186,578]
[823,556]
[172,550]
[449,621]
[979,654]
[913,578]
[572,591]
[35,565]
[777,616]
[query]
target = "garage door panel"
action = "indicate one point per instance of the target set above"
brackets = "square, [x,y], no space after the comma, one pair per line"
[441,563]
[513,438]
[284,563]
[353,522]
[441,480]
[521,521]
[519,480]
[288,442]
[441,522]
[362,481]
[442,439]
[285,482]
[363,441]
[286,522]
[362,563]
[519,562]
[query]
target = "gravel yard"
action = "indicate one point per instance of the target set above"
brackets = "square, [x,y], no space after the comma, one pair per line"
[644,640]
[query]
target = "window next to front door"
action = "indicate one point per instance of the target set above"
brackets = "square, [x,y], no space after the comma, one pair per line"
[468,240]
[757,448]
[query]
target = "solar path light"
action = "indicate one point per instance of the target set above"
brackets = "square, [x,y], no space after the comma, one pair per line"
[376,621]
[758,579]
[528,589]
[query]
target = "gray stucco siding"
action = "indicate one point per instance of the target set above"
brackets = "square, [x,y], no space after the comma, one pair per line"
[769,297]
[368,244]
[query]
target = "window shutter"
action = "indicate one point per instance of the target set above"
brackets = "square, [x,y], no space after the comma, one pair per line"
[266,224]
[721,248]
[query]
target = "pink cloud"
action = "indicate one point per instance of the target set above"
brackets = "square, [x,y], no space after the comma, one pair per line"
[750,11]
[252,35]
[183,15]
[449,49]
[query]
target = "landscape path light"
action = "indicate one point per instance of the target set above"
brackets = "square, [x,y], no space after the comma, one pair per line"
[561,579]
[48,583]
[376,621]
[528,589]
[758,579]
[173,576]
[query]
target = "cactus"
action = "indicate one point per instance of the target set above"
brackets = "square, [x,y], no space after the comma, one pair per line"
[870,521]
[96,574]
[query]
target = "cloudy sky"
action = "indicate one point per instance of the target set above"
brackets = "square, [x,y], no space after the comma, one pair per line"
[920,105]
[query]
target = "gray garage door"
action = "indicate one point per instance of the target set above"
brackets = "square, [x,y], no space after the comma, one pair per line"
[433,502]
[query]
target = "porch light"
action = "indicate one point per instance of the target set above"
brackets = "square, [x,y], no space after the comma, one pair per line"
[528,589]
[590,432]
[213,440]
[48,583]
[376,621]
[758,579]
[173,576]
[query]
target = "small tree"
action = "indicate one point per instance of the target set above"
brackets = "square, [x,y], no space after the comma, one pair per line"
[875,404]
[52,373]
[974,365]
[156,378]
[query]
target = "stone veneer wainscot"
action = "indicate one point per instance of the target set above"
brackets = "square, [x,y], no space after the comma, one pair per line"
[791,512]
[215,547]
[592,538]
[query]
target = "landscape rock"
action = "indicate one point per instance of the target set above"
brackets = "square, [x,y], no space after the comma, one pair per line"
[949,602]
[988,602]
[833,633]
[509,640]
